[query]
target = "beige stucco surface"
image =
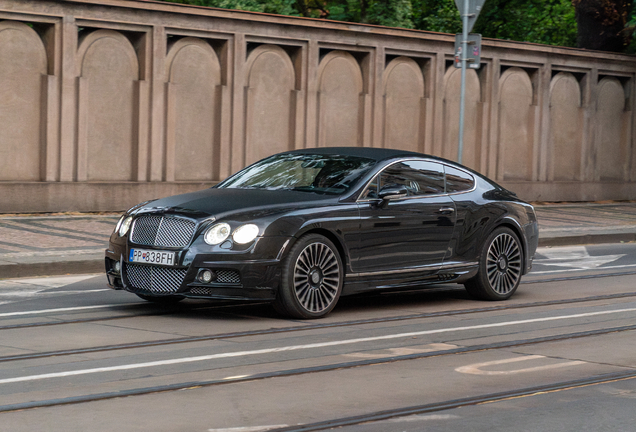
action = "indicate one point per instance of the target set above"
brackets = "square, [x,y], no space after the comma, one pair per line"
[105,103]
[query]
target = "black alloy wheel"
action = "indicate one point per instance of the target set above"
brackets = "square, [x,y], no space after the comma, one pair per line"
[312,278]
[500,267]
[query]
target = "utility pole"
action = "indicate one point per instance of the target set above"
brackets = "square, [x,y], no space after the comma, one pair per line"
[469,10]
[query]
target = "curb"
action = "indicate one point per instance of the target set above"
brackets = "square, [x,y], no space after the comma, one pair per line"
[11,271]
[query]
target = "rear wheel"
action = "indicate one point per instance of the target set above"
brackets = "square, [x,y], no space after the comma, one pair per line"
[311,280]
[500,267]
[162,300]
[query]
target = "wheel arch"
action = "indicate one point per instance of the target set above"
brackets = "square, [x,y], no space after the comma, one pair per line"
[335,239]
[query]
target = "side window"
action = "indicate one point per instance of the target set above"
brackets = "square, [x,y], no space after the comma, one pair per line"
[457,180]
[419,177]
[372,190]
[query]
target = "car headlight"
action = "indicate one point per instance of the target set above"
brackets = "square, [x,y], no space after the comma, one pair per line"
[121,219]
[217,234]
[125,226]
[245,233]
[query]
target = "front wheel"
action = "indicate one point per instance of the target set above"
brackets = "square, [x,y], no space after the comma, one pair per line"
[500,267]
[312,278]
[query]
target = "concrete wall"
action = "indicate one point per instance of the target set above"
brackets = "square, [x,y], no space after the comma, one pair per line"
[107,103]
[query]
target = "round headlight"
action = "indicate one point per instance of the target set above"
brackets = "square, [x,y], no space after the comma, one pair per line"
[245,233]
[217,234]
[125,226]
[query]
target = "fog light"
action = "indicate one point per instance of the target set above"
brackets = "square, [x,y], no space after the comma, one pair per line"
[117,266]
[206,276]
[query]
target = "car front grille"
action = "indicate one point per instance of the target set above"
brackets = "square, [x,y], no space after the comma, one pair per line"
[201,291]
[228,277]
[154,279]
[165,231]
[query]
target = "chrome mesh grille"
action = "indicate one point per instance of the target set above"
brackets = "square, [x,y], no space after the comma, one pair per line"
[160,280]
[200,291]
[228,276]
[162,231]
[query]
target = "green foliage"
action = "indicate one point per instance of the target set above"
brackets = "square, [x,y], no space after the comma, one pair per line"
[391,13]
[541,21]
[437,15]
[282,7]
[630,30]
[602,24]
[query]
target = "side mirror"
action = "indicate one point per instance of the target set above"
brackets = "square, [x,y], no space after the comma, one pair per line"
[392,191]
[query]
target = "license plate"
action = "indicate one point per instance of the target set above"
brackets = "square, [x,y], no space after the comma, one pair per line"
[152,257]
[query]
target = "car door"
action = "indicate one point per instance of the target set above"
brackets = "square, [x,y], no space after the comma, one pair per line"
[408,231]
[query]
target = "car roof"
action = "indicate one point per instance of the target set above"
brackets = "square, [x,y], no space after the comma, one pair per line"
[377,154]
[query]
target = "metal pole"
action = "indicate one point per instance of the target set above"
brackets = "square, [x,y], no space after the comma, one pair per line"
[462,97]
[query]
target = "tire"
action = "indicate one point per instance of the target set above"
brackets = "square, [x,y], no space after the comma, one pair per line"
[161,300]
[500,267]
[312,279]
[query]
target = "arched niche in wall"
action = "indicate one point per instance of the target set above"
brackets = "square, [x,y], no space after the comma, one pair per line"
[403,105]
[192,129]
[566,126]
[611,139]
[23,63]
[269,107]
[107,116]
[471,153]
[516,125]
[339,100]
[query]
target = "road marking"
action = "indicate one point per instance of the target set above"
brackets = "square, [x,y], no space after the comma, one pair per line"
[235,377]
[77,291]
[428,417]
[575,256]
[475,369]
[40,292]
[301,347]
[581,269]
[42,311]
[402,351]
[249,428]
[47,281]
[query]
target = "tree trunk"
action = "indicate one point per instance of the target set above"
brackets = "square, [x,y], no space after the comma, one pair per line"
[601,24]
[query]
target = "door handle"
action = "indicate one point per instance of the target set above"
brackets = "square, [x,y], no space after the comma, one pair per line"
[446,210]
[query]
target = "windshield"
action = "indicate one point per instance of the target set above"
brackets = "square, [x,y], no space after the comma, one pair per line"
[329,174]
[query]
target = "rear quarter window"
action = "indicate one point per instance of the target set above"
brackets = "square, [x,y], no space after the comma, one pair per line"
[458,180]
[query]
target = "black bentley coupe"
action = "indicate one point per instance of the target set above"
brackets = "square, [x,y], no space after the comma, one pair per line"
[304,227]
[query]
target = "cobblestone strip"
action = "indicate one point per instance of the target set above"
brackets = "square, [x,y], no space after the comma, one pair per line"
[49,233]
[102,235]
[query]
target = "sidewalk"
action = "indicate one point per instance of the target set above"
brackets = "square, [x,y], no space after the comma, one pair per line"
[62,244]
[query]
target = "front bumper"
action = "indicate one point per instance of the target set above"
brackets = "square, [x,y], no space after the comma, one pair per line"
[531,232]
[244,273]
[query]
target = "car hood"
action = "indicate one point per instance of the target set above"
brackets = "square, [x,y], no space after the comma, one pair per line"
[222,202]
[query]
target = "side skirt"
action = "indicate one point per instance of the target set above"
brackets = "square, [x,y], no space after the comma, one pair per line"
[409,278]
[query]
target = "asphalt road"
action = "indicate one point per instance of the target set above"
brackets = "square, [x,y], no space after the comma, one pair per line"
[559,356]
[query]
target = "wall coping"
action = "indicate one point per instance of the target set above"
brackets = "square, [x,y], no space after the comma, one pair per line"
[153,5]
